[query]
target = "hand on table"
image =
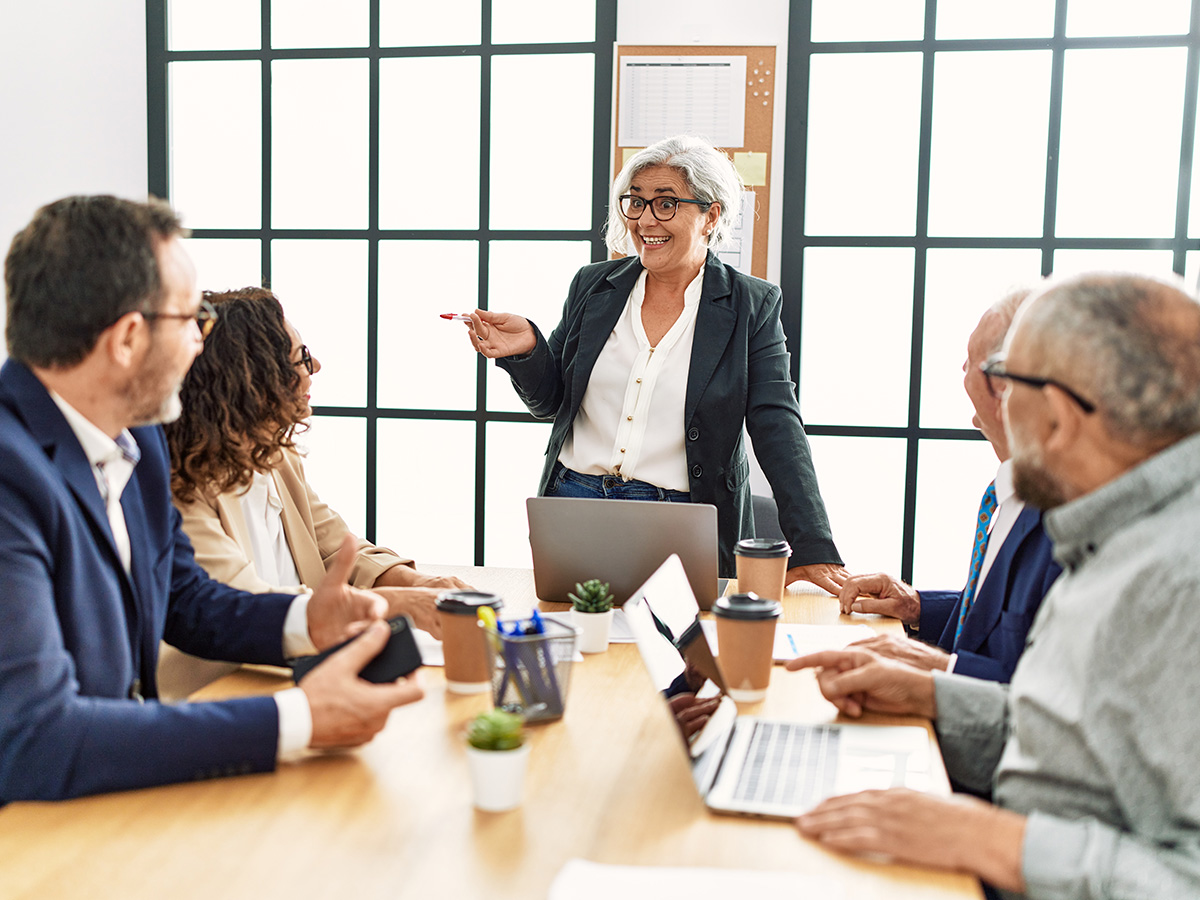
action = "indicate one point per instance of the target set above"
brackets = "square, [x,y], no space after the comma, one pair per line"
[407,576]
[824,575]
[346,710]
[497,334]
[959,832]
[418,603]
[691,715]
[883,594]
[337,610]
[906,650]
[857,680]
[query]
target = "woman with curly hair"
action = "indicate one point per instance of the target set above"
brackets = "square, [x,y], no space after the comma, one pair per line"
[238,480]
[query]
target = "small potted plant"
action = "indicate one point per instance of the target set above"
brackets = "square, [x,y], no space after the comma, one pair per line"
[593,606]
[497,755]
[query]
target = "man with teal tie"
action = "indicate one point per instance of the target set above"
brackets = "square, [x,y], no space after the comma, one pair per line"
[980,630]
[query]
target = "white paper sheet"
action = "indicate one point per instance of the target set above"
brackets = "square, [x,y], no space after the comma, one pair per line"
[797,640]
[661,96]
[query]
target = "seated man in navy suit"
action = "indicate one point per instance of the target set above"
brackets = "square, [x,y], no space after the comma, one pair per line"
[104,320]
[980,630]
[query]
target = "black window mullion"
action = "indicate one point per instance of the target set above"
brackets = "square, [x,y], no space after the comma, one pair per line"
[485,206]
[266,143]
[157,114]
[1054,136]
[1187,145]
[795,180]
[920,249]
[372,336]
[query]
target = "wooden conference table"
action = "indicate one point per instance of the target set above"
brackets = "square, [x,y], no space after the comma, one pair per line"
[394,819]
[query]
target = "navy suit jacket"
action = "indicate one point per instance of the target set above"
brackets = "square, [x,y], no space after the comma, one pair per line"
[77,631]
[993,635]
[739,372]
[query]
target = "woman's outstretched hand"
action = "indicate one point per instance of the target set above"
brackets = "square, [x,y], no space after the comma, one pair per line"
[496,334]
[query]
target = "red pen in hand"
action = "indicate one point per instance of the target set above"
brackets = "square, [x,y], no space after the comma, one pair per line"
[456,317]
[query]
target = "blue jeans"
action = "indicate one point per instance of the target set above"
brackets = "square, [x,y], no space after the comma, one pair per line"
[566,482]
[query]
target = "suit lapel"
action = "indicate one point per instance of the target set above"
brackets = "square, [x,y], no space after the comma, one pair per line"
[50,429]
[306,554]
[716,320]
[989,605]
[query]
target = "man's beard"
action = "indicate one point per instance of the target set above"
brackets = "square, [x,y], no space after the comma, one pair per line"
[153,394]
[1031,480]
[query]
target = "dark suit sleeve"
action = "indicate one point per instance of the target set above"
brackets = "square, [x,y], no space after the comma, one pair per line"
[58,740]
[537,377]
[938,610]
[780,444]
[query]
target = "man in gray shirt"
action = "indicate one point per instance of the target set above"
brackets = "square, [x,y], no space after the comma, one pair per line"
[1091,753]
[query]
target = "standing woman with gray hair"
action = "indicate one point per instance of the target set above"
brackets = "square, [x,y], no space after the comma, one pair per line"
[661,357]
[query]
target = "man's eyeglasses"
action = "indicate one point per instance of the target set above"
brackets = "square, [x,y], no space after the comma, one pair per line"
[305,359]
[662,208]
[994,368]
[206,316]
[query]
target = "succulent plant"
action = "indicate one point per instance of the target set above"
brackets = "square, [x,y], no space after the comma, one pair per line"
[496,730]
[592,597]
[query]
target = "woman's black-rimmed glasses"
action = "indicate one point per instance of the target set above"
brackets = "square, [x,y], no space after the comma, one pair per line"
[994,368]
[305,359]
[205,316]
[662,208]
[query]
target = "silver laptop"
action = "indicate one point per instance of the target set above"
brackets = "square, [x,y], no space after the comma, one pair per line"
[765,767]
[621,542]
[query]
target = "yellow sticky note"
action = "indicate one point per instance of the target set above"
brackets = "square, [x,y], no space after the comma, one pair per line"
[752,167]
[627,152]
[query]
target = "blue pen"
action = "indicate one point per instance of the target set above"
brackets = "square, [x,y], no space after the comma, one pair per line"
[792,644]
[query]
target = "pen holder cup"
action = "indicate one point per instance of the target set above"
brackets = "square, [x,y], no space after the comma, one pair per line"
[531,672]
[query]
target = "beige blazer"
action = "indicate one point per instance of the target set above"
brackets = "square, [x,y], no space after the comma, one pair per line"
[221,539]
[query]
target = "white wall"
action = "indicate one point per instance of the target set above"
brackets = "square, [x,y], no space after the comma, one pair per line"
[709,22]
[72,103]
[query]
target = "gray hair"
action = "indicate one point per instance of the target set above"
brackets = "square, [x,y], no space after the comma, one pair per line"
[1128,343]
[709,174]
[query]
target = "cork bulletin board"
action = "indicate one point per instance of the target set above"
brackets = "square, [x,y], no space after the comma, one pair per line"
[662,91]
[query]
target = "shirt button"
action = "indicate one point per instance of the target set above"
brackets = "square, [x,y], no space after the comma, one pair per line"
[697,471]
[629,418]
[639,381]
[693,434]
[622,449]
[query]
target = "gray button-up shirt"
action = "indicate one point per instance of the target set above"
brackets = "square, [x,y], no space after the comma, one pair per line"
[1097,739]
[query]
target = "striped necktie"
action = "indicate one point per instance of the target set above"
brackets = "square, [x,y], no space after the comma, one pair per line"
[987,506]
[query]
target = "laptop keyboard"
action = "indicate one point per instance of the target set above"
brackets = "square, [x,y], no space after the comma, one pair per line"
[789,765]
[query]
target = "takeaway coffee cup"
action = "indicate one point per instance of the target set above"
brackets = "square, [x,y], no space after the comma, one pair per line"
[746,641]
[762,565]
[463,641]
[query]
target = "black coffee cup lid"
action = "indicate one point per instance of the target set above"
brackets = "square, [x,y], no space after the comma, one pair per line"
[746,606]
[763,548]
[466,603]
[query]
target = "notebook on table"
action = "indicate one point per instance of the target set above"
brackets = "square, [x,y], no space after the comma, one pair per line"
[767,767]
[622,542]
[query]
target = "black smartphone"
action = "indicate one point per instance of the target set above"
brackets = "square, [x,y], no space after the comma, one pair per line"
[398,657]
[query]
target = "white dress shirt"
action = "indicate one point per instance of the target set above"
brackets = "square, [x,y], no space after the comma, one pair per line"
[630,422]
[112,465]
[262,508]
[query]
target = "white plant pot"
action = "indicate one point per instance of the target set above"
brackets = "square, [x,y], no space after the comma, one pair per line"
[497,777]
[593,630]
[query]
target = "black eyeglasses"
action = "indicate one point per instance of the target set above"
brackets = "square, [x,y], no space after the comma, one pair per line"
[305,359]
[994,368]
[662,208]
[206,316]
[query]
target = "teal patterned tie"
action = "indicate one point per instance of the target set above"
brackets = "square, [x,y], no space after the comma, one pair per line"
[987,506]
